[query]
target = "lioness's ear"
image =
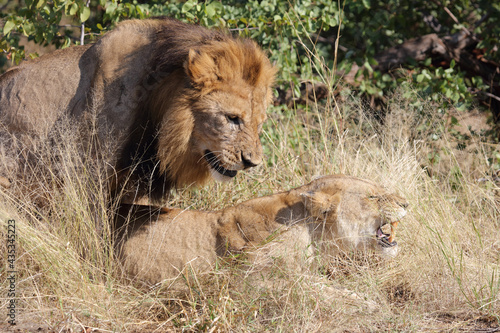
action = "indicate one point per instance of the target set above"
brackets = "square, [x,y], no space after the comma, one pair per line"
[319,204]
[201,69]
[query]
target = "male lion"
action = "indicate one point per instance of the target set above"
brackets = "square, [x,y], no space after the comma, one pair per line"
[330,213]
[177,103]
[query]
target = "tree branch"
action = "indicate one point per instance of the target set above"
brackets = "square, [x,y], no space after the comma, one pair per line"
[330,41]
[82,34]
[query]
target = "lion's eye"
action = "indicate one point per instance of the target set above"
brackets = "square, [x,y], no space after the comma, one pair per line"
[233,119]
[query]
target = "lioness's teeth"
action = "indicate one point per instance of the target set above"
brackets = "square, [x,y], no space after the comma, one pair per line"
[393,231]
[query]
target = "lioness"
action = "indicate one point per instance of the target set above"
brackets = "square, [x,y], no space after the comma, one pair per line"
[332,211]
[176,103]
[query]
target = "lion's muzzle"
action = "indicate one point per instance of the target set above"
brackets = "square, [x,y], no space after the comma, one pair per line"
[385,240]
[214,163]
[249,160]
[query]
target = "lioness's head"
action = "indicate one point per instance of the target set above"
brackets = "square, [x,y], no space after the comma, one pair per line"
[228,88]
[355,213]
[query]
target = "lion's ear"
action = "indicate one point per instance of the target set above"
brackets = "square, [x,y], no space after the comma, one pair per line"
[201,69]
[319,204]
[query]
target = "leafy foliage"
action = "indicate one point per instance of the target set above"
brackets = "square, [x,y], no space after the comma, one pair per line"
[288,30]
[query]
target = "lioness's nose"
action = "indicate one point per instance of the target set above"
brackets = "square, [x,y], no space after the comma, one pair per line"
[250,159]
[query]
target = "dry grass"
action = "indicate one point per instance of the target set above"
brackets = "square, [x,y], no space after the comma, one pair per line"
[445,278]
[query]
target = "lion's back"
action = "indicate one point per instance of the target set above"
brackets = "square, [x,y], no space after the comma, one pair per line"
[161,243]
[35,94]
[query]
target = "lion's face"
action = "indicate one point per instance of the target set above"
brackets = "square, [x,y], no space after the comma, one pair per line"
[229,91]
[358,213]
[226,131]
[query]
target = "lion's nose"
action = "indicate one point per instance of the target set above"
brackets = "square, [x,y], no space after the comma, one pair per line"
[249,160]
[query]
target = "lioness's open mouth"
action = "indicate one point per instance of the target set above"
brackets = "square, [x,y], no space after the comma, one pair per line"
[214,163]
[387,240]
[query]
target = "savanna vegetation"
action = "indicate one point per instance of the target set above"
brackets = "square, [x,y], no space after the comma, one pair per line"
[424,126]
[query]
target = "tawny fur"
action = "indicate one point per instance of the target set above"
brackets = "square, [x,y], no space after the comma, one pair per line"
[4,182]
[331,213]
[161,93]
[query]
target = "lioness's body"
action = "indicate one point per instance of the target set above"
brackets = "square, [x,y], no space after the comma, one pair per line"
[333,211]
[174,103]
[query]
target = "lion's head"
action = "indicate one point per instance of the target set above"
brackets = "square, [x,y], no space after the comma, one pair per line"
[355,213]
[223,108]
[206,110]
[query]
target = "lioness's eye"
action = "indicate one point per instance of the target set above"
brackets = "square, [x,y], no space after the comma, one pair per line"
[233,119]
